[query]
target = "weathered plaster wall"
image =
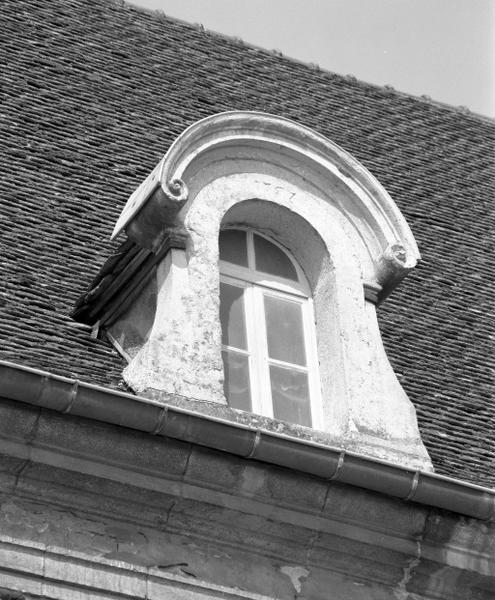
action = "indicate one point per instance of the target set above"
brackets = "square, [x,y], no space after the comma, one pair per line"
[181,352]
[89,510]
[130,332]
[135,543]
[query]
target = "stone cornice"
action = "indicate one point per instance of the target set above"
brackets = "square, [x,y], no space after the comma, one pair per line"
[86,468]
[40,389]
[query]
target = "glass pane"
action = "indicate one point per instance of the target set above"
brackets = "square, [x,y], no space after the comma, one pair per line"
[284,330]
[271,259]
[232,316]
[290,395]
[236,383]
[233,247]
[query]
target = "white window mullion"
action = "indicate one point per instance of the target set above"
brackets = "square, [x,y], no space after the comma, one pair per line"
[253,345]
[264,366]
[250,251]
[287,365]
[273,283]
[234,349]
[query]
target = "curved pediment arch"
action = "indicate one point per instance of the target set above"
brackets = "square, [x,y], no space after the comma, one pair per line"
[252,142]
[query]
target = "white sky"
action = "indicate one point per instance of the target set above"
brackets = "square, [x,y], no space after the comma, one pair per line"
[442,48]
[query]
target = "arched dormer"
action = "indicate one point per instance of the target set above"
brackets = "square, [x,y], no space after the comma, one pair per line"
[295,187]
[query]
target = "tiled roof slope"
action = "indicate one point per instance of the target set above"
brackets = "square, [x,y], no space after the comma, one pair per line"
[95,91]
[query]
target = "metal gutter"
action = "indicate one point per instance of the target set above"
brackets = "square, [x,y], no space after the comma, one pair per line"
[42,389]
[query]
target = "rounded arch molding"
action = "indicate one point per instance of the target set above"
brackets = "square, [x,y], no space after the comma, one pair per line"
[251,142]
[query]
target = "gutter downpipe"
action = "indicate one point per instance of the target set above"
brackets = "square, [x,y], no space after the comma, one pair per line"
[42,389]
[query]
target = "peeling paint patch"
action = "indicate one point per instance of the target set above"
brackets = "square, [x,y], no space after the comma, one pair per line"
[295,574]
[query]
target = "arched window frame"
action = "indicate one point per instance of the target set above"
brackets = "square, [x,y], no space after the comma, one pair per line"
[256,284]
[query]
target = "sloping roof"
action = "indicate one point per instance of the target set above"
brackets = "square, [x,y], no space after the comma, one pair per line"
[95,91]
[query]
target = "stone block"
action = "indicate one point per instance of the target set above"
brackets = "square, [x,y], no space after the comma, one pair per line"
[376,511]
[282,487]
[256,480]
[247,531]
[86,493]
[106,578]
[217,470]
[17,420]
[21,582]
[21,558]
[112,444]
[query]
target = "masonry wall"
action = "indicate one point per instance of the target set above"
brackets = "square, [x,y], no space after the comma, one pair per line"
[89,510]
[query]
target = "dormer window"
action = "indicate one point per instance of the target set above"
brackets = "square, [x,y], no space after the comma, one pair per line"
[307,235]
[268,330]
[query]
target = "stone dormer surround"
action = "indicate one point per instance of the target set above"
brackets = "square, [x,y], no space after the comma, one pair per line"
[271,174]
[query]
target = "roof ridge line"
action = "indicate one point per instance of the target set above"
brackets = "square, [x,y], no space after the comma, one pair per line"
[424,98]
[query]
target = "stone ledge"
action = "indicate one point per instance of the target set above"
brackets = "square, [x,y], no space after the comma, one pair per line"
[213,523]
[67,573]
[88,481]
[180,469]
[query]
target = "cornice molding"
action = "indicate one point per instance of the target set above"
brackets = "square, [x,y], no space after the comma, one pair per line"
[44,390]
[176,472]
